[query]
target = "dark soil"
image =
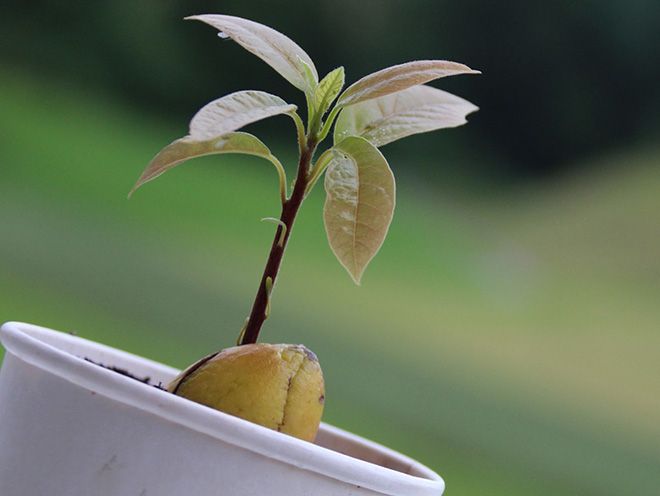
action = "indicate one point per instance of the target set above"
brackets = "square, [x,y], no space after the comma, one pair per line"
[126,373]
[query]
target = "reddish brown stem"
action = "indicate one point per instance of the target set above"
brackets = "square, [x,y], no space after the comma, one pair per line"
[288,216]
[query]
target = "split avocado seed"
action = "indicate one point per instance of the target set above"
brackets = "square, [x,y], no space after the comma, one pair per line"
[279,386]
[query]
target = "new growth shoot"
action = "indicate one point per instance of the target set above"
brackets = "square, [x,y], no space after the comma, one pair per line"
[378,109]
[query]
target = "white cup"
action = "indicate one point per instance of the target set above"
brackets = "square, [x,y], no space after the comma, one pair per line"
[71,428]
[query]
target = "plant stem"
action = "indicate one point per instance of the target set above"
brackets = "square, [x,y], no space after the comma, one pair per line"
[290,207]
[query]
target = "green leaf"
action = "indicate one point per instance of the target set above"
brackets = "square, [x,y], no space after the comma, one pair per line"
[271,46]
[233,111]
[311,77]
[359,205]
[400,77]
[418,109]
[186,148]
[328,89]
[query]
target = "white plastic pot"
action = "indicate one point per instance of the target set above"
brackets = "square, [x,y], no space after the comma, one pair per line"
[71,428]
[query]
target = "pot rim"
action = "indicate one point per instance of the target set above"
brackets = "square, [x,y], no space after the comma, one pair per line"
[32,344]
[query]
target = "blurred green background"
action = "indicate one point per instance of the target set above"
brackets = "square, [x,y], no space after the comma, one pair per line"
[507,332]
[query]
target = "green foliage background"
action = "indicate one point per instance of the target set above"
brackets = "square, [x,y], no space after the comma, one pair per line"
[507,333]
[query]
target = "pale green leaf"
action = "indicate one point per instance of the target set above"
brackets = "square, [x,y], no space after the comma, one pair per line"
[186,148]
[233,111]
[328,89]
[271,46]
[311,78]
[359,205]
[400,77]
[418,109]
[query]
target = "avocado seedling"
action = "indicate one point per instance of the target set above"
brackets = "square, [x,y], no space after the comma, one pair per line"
[279,385]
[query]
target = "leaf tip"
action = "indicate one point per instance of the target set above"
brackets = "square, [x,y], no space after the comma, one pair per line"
[200,17]
[133,190]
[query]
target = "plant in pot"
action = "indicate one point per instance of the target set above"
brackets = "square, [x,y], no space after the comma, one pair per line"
[70,427]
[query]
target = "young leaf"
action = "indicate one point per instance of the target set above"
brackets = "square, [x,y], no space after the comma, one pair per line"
[186,148]
[328,89]
[418,109]
[233,111]
[271,46]
[400,77]
[311,77]
[359,203]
